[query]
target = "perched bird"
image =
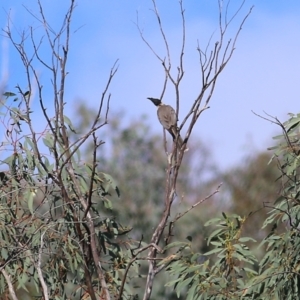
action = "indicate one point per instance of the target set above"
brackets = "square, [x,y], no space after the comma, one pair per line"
[167,117]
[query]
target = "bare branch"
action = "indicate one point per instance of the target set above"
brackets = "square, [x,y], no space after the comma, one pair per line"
[130,264]
[179,216]
[39,270]
[10,285]
[281,125]
[162,33]
[211,66]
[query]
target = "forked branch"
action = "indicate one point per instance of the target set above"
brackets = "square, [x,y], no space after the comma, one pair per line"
[212,60]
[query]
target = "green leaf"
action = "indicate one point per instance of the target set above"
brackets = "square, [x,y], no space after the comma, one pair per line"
[224,215]
[29,141]
[217,250]
[183,284]
[69,123]
[250,271]
[173,282]
[192,269]
[9,94]
[246,239]
[176,244]
[30,197]
[48,141]
[292,124]
[191,292]
[214,234]
[216,244]
[212,221]
[110,182]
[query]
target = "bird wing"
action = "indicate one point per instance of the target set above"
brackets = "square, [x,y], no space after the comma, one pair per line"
[167,116]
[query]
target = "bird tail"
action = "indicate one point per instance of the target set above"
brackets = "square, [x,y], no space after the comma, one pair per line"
[174,132]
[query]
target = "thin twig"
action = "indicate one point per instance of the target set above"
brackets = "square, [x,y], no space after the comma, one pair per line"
[179,216]
[130,264]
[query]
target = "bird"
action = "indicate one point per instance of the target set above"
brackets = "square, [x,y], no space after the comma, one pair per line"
[168,119]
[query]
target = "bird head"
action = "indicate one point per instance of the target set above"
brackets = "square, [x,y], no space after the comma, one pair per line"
[155,101]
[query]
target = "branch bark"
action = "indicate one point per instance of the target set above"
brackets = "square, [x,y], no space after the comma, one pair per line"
[211,67]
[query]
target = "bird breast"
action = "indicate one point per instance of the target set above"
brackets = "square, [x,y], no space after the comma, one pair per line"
[167,116]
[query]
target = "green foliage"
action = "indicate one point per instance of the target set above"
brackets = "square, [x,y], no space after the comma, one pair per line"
[43,224]
[249,188]
[60,216]
[134,156]
[230,270]
[222,272]
[44,232]
[279,269]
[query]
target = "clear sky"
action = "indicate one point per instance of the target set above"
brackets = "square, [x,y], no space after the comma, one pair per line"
[263,74]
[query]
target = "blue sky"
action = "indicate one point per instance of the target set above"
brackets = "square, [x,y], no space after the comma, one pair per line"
[263,74]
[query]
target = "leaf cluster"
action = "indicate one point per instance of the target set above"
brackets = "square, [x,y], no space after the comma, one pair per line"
[230,270]
[45,229]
